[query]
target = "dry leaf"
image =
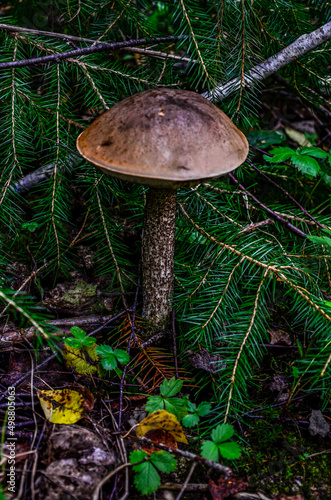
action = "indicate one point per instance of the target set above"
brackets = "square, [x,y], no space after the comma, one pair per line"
[162,419]
[64,406]
[159,436]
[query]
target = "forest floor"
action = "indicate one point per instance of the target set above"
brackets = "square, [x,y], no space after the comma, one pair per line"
[286,443]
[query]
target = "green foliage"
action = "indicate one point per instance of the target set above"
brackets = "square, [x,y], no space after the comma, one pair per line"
[193,418]
[168,389]
[111,356]
[146,478]
[304,159]
[81,339]
[219,445]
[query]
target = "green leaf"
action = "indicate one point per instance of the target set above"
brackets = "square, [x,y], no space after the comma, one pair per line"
[146,479]
[190,420]
[109,362]
[163,460]
[306,165]
[170,387]
[137,456]
[73,343]
[312,151]
[265,138]
[191,407]
[222,432]
[176,406]
[203,409]
[154,403]
[104,350]
[229,450]
[121,356]
[87,341]
[279,155]
[77,332]
[209,450]
[30,226]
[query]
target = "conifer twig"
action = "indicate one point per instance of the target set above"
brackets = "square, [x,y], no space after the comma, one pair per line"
[305,43]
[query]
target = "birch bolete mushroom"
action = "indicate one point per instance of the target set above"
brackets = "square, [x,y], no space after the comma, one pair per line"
[164,139]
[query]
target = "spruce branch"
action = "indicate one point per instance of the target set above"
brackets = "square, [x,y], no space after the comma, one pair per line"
[301,46]
[60,56]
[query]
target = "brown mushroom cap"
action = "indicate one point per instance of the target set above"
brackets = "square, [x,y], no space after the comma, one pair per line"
[164,138]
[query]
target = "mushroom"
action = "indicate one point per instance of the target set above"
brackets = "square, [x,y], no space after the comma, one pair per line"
[164,139]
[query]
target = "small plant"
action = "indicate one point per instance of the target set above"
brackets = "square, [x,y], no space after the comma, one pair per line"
[111,356]
[80,338]
[168,389]
[147,479]
[219,445]
[304,159]
[193,418]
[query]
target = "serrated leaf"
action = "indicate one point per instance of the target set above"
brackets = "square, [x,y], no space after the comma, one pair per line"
[279,155]
[104,350]
[170,387]
[121,356]
[154,403]
[77,332]
[163,460]
[146,478]
[73,343]
[306,165]
[229,450]
[176,406]
[315,152]
[191,407]
[190,420]
[222,432]
[203,409]
[137,456]
[109,362]
[209,450]
[161,419]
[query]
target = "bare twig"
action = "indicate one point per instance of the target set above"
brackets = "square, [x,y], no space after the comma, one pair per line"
[305,43]
[60,56]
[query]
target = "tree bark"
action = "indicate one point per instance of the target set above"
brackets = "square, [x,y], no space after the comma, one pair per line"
[158,245]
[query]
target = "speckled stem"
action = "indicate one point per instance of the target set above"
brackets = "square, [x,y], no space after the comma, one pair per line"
[158,245]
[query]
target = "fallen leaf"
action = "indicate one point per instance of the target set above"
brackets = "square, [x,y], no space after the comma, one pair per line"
[84,360]
[159,436]
[64,406]
[278,336]
[162,419]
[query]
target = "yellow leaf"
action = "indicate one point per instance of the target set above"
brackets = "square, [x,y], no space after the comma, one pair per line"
[63,406]
[297,137]
[162,419]
[83,360]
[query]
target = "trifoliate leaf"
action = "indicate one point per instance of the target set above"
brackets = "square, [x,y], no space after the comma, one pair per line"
[64,406]
[121,356]
[146,478]
[104,350]
[77,332]
[222,432]
[154,403]
[170,387]
[163,461]
[162,419]
[229,450]
[190,420]
[176,406]
[209,450]
[203,409]
[109,362]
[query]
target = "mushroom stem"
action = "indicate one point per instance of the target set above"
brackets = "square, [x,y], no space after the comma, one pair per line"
[158,245]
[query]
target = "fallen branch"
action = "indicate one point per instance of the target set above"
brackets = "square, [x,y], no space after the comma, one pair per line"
[60,56]
[301,46]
